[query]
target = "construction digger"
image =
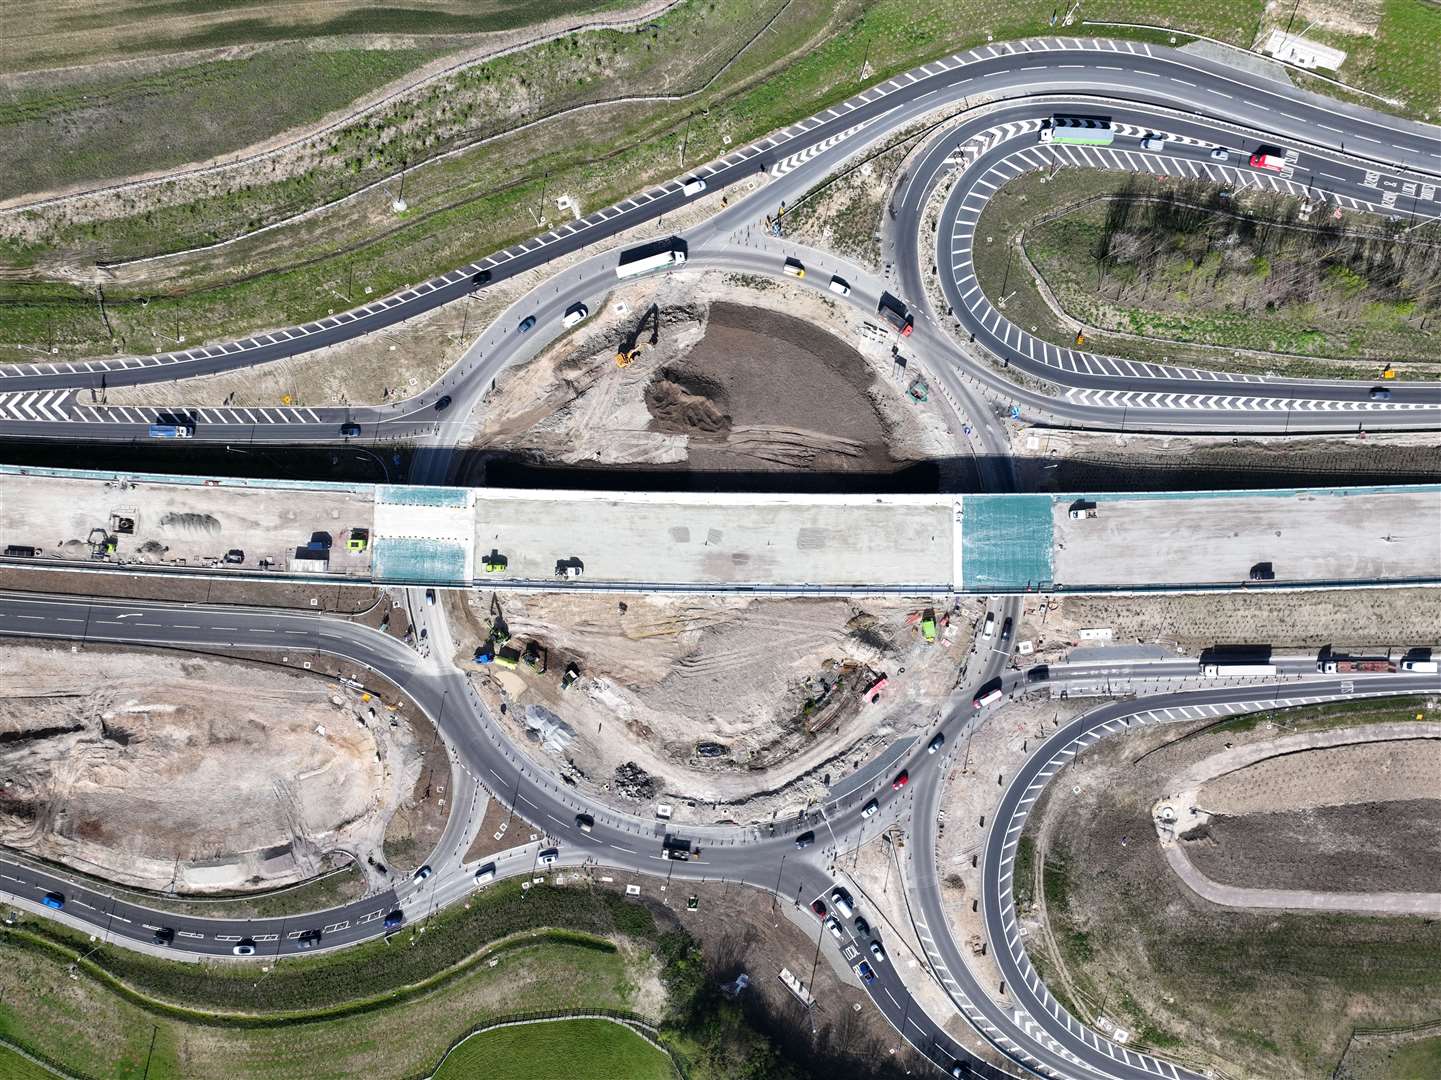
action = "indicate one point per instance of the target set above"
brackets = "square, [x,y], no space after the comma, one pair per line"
[632,346]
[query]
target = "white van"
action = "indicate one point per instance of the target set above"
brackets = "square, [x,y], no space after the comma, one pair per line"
[574,314]
[989,630]
[1421,667]
[664,811]
[693,187]
[1153,142]
[485,874]
[841,901]
[839,286]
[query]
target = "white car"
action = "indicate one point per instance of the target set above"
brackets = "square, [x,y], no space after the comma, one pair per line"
[548,857]
[245,948]
[574,314]
[1153,142]
[870,808]
[834,927]
[692,187]
[878,952]
[840,287]
[485,874]
[1219,154]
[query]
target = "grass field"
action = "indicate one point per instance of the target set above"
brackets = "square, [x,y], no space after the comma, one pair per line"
[562,1050]
[387,1010]
[1188,302]
[1257,994]
[15,1067]
[42,35]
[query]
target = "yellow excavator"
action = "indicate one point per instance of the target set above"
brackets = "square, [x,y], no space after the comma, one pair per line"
[633,346]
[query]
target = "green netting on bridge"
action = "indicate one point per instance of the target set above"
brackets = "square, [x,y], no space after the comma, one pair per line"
[407,495]
[1005,542]
[410,559]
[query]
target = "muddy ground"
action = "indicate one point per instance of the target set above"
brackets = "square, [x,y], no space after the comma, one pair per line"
[1262,994]
[708,700]
[1062,460]
[1357,619]
[187,774]
[743,375]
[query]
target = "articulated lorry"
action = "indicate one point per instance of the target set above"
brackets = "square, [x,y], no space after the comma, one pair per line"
[1343,667]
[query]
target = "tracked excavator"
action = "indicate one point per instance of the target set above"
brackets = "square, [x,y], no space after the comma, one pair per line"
[632,346]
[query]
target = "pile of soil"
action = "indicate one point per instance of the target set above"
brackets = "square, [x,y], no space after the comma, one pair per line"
[681,409]
[775,391]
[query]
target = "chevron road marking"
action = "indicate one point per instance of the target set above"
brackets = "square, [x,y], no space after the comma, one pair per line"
[1144,399]
[36,405]
[209,415]
[796,160]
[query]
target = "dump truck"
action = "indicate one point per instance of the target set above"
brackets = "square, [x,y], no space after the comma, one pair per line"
[895,312]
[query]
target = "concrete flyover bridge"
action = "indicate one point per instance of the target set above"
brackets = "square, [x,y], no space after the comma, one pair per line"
[736,543]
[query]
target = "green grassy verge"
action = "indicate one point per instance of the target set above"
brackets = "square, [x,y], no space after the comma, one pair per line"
[561,1050]
[357,977]
[14,1066]
[812,54]
[1193,270]
[1254,278]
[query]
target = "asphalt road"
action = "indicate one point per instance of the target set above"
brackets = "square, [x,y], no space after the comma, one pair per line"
[1095,75]
[765,857]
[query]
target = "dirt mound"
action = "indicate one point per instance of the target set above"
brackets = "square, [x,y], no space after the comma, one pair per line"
[679,409]
[188,524]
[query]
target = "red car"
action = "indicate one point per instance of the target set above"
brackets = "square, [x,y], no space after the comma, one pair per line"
[902,779]
[1269,158]
[819,907]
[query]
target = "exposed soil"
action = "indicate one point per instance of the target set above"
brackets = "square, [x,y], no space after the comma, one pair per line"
[746,705]
[187,774]
[1056,460]
[337,599]
[1365,847]
[418,821]
[1357,620]
[1252,994]
[743,376]
[783,392]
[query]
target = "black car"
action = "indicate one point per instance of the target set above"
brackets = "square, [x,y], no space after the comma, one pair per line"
[308,939]
[1006,630]
[350,431]
[164,935]
[528,323]
[1263,571]
[235,556]
[1039,673]
[442,403]
[806,839]
[482,278]
[862,927]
